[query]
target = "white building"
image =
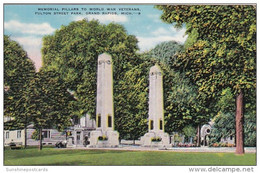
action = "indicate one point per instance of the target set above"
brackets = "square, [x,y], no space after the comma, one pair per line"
[76,134]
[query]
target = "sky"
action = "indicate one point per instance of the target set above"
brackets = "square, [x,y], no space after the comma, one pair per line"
[27,24]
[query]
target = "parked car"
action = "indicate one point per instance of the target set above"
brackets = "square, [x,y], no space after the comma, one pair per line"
[15,145]
[61,144]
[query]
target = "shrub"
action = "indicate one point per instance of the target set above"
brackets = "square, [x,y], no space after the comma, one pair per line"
[223,145]
[156,139]
[102,138]
[230,145]
[186,145]
[215,145]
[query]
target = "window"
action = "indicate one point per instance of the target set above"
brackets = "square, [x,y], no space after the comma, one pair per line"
[46,134]
[99,120]
[231,138]
[161,125]
[109,119]
[76,121]
[151,124]
[6,135]
[19,134]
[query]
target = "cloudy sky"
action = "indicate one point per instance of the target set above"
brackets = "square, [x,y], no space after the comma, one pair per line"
[27,24]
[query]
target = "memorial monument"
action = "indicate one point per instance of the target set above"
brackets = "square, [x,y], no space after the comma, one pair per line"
[104,135]
[156,137]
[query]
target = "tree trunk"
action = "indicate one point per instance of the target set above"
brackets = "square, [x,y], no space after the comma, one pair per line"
[198,136]
[25,132]
[239,124]
[40,140]
[25,136]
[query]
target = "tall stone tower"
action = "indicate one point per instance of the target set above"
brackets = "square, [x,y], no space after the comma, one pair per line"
[104,136]
[155,136]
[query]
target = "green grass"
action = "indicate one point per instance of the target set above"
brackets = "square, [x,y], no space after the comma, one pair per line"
[52,156]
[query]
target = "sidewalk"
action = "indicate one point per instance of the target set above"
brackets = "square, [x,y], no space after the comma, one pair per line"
[175,149]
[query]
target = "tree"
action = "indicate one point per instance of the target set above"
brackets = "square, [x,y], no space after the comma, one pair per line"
[133,105]
[166,51]
[189,132]
[18,71]
[224,121]
[48,102]
[73,51]
[224,54]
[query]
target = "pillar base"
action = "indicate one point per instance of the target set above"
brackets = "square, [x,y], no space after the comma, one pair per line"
[111,142]
[146,140]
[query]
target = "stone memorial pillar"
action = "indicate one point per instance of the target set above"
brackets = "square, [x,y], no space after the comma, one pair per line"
[104,135]
[156,136]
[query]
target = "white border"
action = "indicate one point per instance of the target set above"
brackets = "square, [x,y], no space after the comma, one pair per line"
[113,169]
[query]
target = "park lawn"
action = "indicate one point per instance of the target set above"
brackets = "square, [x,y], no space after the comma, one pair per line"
[52,156]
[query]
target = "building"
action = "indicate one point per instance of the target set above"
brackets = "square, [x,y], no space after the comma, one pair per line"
[76,135]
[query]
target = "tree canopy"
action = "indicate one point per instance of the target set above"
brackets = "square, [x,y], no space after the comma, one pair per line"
[73,51]
[48,102]
[18,71]
[166,51]
[222,54]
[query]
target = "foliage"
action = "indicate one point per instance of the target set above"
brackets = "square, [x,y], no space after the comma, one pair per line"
[18,71]
[193,37]
[77,66]
[73,51]
[224,126]
[35,135]
[177,137]
[166,52]
[179,99]
[102,138]
[224,54]
[133,102]
[189,131]
[48,101]
[156,139]
[224,122]
[250,130]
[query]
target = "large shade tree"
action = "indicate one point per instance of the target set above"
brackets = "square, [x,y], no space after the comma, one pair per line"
[73,51]
[48,102]
[223,54]
[18,71]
